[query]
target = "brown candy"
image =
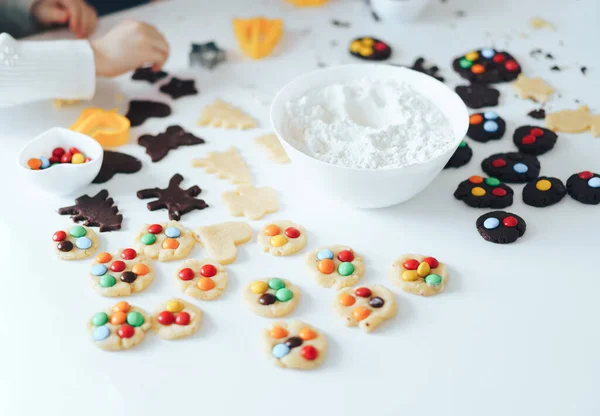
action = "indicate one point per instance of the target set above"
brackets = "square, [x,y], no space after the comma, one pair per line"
[293,342]
[65,246]
[267,299]
[376,302]
[128,277]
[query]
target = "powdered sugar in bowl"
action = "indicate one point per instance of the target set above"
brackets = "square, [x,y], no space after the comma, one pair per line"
[368,135]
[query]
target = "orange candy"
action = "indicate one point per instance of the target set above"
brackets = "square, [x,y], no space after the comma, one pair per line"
[478,69]
[118,318]
[272,230]
[475,119]
[346,299]
[278,332]
[205,284]
[307,334]
[121,307]
[103,257]
[361,313]
[34,164]
[170,243]
[326,266]
[140,269]
[476,179]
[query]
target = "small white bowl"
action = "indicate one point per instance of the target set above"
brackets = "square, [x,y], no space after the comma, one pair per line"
[398,10]
[64,178]
[369,188]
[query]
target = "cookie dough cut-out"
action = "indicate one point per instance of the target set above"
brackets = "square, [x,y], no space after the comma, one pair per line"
[165,242]
[121,274]
[203,279]
[76,244]
[271,298]
[295,344]
[335,266]
[221,240]
[270,144]
[225,115]
[258,36]
[96,211]
[176,319]
[251,202]
[365,306]
[119,328]
[228,165]
[419,275]
[534,88]
[574,121]
[282,238]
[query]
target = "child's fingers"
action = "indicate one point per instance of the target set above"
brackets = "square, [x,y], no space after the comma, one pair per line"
[88,21]
[74,8]
[157,58]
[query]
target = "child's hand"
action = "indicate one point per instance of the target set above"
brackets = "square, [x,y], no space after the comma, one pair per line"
[80,16]
[128,46]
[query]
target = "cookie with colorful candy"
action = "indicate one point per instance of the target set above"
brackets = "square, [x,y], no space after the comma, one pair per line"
[487,66]
[584,187]
[543,192]
[534,140]
[501,227]
[335,266]
[365,306]
[77,243]
[282,238]
[119,328]
[479,192]
[121,274]
[461,156]
[165,242]
[419,275]
[272,297]
[370,49]
[486,126]
[176,319]
[295,344]
[204,279]
[512,167]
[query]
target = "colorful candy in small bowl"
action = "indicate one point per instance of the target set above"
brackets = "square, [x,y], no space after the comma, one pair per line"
[61,161]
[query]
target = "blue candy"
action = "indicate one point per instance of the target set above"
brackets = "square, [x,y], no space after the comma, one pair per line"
[99,270]
[488,53]
[490,126]
[83,243]
[280,350]
[172,232]
[325,254]
[491,223]
[490,115]
[520,168]
[100,333]
[594,182]
[45,162]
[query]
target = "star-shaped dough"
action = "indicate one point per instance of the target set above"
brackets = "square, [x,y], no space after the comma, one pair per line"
[534,88]
[251,202]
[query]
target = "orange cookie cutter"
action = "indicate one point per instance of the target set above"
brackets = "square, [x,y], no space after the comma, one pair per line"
[258,36]
[107,127]
[308,3]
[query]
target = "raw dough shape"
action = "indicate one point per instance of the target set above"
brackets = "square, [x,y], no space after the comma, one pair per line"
[220,240]
[96,211]
[227,165]
[290,245]
[76,253]
[114,342]
[225,115]
[270,310]
[574,121]
[293,332]
[156,251]
[335,279]
[270,144]
[121,287]
[251,202]
[192,288]
[175,330]
[376,302]
[534,88]
[418,286]
[539,23]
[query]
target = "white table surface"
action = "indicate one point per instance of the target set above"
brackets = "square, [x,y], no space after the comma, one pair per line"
[515,333]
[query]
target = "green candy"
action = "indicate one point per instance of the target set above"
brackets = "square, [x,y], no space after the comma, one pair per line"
[135,319]
[346,268]
[492,181]
[276,283]
[283,295]
[99,319]
[465,63]
[108,281]
[433,279]
[77,231]
[462,144]
[148,239]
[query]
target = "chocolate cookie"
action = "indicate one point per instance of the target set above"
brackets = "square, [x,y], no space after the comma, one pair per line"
[432,71]
[116,162]
[158,146]
[584,187]
[178,88]
[478,96]
[370,48]
[478,192]
[97,211]
[176,200]
[501,227]
[142,110]
[461,156]
[512,167]
[148,75]
[534,140]
[487,126]
[487,66]
[543,192]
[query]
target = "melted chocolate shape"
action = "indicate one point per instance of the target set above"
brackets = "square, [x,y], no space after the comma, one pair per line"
[488,200]
[128,277]
[538,114]
[501,234]
[478,96]
[116,162]
[142,110]
[65,246]
[536,198]
[148,75]
[432,71]
[267,299]
[97,211]
[178,88]
[176,200]
[158,146]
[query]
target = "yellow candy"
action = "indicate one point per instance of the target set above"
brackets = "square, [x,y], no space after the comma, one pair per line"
[478,191]
[543,185]
[365,51]
[259,287]
[355,46]
[78,158]
[174,306]
[472,56]
[367,42]
[410,275]
[278,241]
[423,269]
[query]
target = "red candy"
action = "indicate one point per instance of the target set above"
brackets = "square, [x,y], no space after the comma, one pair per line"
[586,174]
[292,232]
[186,274]
[379,46]
[432,261]
[128,254]
[165,318]
[126,331]
[208,270]
[66,158]
[117,266]
[510,222]
[54,159]
[498,163]
[308,352]
[363,292]
[182,318]
[345,256]
[529,139]
[511,65]
[58,152]
[499,192]
[411,264]
[499,58]
[74,150]
[155,229]
[59,236]
[87,159]
[536,132]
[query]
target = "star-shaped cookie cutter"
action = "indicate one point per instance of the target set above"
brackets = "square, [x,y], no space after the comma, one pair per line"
[207,55]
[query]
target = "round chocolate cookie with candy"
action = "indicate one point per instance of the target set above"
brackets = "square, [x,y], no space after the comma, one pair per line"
[584,187]
[487,126]
[487,66]
[462,155]
[512,167]
[501,227]
[534,140]
[543,192]
[478,192]
[370,49]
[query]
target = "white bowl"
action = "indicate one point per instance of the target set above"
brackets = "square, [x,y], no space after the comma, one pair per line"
[369,188]
[398,10]
[64,178]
